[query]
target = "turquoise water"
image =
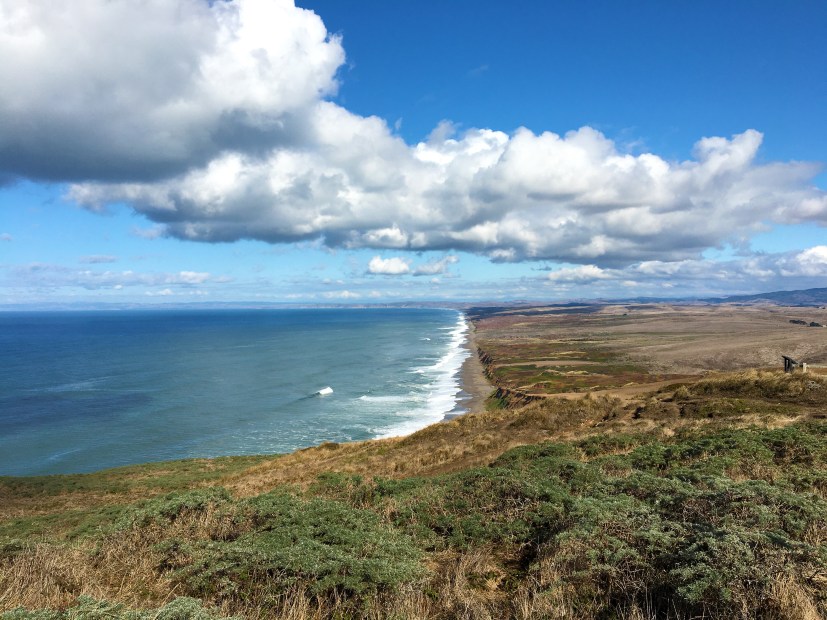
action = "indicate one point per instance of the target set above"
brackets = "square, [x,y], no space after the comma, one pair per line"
[82,391]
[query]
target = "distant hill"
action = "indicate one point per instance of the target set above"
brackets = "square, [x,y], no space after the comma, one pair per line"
[809,297]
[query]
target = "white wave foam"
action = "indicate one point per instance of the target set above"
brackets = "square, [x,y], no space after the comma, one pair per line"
[402,398]
[442,390]
[59,455]
[86,385]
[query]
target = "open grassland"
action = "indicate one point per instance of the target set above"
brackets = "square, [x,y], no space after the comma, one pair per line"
[554,349]
[704,497]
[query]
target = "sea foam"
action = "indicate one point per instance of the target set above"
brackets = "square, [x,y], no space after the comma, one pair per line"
[442,389]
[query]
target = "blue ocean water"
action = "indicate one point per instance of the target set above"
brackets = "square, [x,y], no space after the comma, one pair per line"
[83,391]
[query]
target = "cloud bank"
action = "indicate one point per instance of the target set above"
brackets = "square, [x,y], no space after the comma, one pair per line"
[796,268]
[211,120]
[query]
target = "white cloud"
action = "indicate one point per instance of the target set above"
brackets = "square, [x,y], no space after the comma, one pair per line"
[436,266]
[750,273]
[394,266]
[582,274]
[40,275]
[6,237]
[523,197]
[210,120]
[810,262]
[137,90]
[398,266]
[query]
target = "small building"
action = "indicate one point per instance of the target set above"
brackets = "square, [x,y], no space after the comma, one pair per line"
[790,364]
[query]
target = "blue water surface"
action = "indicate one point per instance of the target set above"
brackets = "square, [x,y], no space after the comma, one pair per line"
[82,391]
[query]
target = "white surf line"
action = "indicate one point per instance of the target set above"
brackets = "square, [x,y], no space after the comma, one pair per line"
[443,390]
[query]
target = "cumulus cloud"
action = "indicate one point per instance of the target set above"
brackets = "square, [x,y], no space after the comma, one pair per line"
[394,266]
[582,274]
[810,262]
[397,266]
[6,237]
[142,90]
[572,198]
[210,119]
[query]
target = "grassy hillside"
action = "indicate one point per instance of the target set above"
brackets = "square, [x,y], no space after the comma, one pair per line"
[705,499]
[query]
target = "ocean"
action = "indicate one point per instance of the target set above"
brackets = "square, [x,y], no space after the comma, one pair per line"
[83,391]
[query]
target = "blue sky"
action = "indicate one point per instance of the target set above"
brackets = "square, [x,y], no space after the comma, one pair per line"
[257,151]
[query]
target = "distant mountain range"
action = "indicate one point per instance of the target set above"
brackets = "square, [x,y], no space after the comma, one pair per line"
[808,297]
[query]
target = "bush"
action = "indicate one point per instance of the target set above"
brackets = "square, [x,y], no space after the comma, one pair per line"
[321,545]
[173,506]
[661,526]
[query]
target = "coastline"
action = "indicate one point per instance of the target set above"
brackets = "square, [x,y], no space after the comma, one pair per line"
[474,385]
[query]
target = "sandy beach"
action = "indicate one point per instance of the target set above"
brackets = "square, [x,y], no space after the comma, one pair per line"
[475,385]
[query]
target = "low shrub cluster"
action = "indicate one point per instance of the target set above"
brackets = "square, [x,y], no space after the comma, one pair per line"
[669,526]
[233,553]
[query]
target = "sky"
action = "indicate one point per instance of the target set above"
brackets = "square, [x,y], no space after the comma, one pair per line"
[257,151]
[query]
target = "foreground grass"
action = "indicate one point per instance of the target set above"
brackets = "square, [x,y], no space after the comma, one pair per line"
[75,505]
[704,500]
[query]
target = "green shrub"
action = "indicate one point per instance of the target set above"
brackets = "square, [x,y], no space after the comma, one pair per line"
[662,525]
[598,445]
[173,506]
[321,545]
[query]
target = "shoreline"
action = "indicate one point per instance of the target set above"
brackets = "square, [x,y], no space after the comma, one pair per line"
[474,385]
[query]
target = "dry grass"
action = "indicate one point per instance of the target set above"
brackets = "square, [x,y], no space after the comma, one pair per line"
[787,600]
[469,441]
[612,345]
[54,576]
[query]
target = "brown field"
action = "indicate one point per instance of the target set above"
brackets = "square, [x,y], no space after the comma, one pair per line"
[541,351]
